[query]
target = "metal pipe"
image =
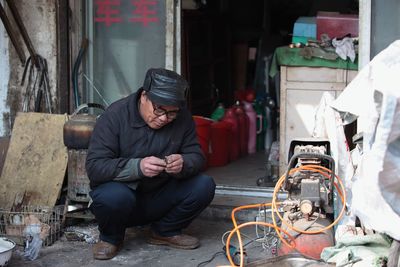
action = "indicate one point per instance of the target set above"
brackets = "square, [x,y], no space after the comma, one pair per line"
[23,31]
[12,35]
[75,70]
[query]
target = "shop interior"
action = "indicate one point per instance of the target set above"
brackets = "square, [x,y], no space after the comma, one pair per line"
[227,50]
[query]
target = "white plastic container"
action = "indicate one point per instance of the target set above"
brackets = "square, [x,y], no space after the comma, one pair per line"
[6,249]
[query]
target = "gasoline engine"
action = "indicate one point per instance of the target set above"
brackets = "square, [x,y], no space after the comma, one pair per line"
[309,206]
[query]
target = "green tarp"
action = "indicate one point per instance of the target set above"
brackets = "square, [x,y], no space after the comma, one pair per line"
[291,57]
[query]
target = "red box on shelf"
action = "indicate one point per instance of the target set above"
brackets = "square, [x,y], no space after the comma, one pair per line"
[336,25]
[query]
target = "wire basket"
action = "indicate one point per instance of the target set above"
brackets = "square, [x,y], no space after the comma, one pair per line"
[16,225]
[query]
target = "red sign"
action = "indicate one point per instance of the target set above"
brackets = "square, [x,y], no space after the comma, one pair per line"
[143,13]
[108,12]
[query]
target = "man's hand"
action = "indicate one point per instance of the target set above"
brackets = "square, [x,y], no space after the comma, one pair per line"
[174,163]
[152,166]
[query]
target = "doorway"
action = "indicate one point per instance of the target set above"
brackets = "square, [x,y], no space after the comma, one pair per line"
[222,47]
[227,47]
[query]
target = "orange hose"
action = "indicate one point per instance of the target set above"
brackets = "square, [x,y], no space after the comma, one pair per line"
[235,225]
[274,209]
[343,200]
[236,229]
[238,232]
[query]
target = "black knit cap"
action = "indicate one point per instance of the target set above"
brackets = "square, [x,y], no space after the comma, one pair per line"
[165,87]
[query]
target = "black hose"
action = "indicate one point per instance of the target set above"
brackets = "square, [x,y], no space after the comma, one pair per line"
[75,69]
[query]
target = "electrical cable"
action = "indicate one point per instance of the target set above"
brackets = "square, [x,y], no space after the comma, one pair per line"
[75,69]
[236,230]
[223,251]
[97,90]
[223,237]
[210,260]
[269,240]
[249,237]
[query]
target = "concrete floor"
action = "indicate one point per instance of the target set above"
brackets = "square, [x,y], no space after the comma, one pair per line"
[242,172]
[136,252]
[209,228]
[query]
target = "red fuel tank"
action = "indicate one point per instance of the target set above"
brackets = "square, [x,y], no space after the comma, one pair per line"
[220,142]
[203,131]
[234,147]
[310,245]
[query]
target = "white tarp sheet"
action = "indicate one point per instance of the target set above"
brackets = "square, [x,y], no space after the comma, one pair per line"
[374,98]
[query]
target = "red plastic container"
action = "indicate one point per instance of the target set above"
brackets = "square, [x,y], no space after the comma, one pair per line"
[203,131]
[220,141]
[234,147]
[336,25]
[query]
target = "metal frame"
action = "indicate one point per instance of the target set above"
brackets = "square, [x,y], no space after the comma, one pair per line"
[62,92]
[173,35]
[364,25]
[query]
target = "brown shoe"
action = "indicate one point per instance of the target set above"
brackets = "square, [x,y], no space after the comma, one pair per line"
[104,251]
[177,241]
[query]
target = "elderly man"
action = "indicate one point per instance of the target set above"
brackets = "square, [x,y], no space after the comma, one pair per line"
[144,164]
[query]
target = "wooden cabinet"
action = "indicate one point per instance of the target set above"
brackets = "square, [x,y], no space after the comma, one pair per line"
[301,91]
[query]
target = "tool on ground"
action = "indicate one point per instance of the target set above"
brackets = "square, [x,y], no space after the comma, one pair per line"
[235,254]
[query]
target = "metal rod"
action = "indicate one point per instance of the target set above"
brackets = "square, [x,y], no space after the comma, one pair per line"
[94,87]
[12,35]
[23,31]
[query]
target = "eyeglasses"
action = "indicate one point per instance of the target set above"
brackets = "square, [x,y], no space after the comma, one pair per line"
[159,111]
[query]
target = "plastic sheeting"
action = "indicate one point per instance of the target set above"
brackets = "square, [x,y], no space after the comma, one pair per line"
[329,124]
[374,98]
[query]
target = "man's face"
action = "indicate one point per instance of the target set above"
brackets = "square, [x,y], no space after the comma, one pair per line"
[154,115]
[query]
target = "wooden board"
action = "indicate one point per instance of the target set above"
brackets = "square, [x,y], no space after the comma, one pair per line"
[36,161]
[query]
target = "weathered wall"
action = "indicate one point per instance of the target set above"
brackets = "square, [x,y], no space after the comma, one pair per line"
[39,18]
[4,72]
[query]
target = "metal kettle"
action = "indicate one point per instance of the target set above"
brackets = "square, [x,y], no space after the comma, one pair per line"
[78,129]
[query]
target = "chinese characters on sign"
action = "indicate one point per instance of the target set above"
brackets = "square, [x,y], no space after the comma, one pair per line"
[143,12]
[108,12]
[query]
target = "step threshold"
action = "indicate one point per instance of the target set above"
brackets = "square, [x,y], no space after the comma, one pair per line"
[238,196]
[265,192]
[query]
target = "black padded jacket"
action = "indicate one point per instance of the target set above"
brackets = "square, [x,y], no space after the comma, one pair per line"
[121,138]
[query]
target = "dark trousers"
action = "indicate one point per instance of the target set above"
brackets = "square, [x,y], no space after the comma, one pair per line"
[169,209]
